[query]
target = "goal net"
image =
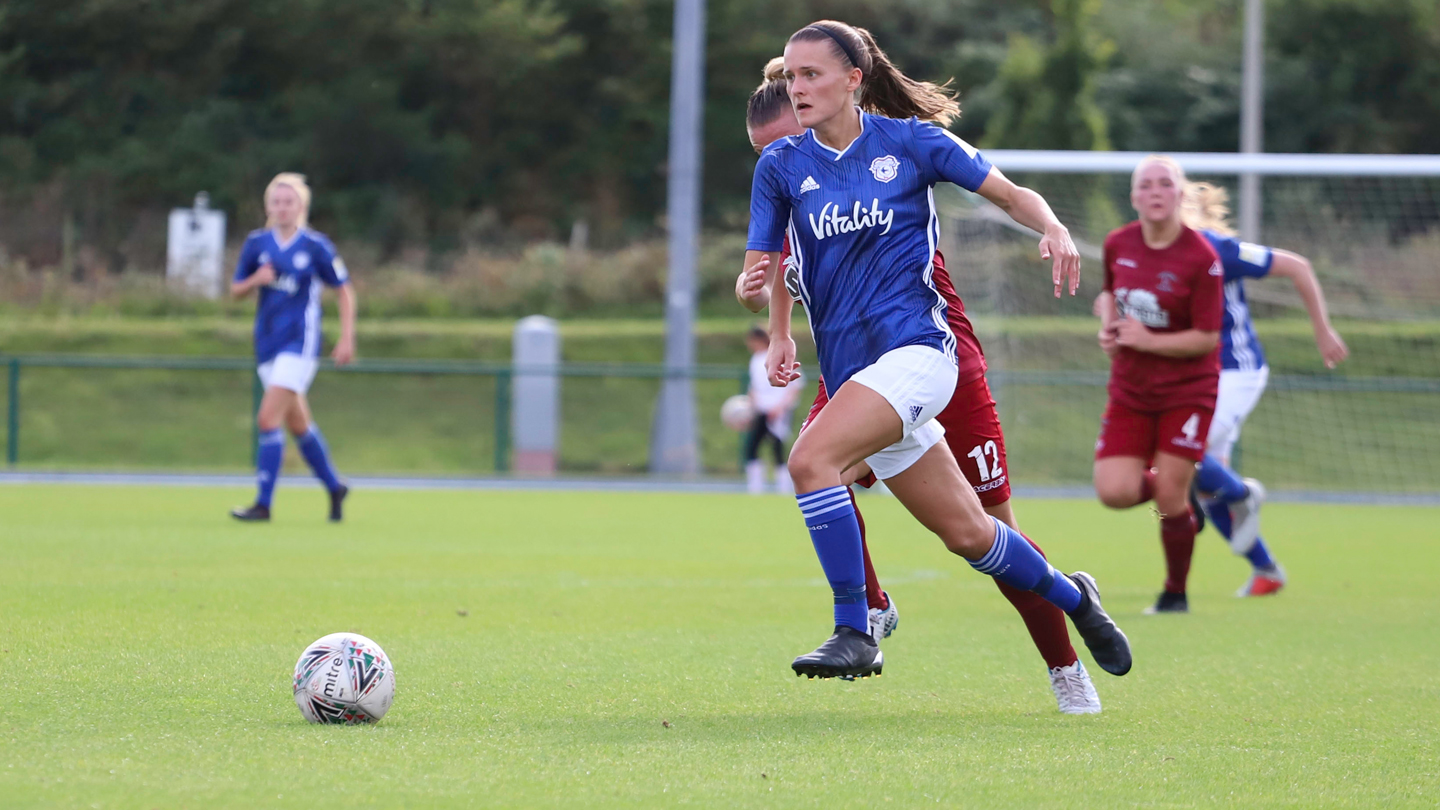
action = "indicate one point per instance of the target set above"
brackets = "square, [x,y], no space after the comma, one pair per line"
[1370,225]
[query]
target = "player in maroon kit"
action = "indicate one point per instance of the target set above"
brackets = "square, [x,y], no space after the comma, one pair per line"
[972,429]
[1161,313]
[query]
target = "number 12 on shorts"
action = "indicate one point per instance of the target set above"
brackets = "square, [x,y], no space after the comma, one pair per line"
[994,470]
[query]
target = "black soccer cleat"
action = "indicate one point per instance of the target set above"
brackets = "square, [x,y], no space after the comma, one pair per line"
[849,653]
[1169,603]
[251,514]
[1108,645]
[1196,508]
[337,502]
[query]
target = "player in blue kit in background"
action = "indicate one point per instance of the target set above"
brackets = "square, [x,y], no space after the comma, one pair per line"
[287,262]
[1233,503]
[854,193]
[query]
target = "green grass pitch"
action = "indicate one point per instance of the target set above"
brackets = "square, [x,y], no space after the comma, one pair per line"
[597,650]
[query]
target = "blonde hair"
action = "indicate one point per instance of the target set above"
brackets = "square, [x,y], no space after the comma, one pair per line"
[1206,207]
[1163,160]
[297,183]
[884,89]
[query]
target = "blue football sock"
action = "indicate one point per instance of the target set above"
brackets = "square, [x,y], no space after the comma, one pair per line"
[1015,562]
[317,455]
[1214,477]
[1219,513]
[830,516]
[267,464]
[1259,556]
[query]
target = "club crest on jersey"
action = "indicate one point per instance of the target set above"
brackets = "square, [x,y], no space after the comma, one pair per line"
[831,221]
[885,168]
[1143,306]
[301,260]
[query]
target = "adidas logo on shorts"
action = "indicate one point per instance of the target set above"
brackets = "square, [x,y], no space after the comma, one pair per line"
[915,412]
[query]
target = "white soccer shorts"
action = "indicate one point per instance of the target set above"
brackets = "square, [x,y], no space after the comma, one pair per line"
[1239,394]
[918,382]
[289,371]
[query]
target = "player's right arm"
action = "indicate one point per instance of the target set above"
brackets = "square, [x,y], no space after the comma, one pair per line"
[1105,308]
[1297,268]
[249,273]
[769,212]
[752,288]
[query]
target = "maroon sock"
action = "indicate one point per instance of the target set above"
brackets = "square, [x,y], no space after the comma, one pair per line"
[1177,535]
[873,594]
[1045,622]
[1147,486]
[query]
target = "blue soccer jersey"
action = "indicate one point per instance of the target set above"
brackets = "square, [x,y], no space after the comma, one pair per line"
[1239,347]
[287,320]
[863,234]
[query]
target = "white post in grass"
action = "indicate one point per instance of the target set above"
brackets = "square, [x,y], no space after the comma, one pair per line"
[535,395]
[673,445]
[1252,116]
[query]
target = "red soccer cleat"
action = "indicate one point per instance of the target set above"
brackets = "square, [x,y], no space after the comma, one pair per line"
[1263,584]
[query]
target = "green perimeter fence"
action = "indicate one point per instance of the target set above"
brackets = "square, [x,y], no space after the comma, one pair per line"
[1370,434]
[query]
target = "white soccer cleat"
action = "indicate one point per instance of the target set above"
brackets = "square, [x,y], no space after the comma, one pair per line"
[1245,518]
[1074,693]
[884,622]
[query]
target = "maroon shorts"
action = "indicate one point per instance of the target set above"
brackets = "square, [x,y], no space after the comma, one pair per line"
[972,430]
[1141,434]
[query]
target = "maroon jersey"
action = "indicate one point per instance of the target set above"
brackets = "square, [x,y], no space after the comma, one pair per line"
[1171,290]
[969,357]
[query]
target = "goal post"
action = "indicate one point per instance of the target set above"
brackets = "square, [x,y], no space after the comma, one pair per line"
[1370,225]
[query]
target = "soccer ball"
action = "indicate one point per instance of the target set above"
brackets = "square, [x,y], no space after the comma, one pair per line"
[344,678]
[737,413]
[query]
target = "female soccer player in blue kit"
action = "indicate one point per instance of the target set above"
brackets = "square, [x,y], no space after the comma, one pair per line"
[1231,502]
[288,263]
[855,195]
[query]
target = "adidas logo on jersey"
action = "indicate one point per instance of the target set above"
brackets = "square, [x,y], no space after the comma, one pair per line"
[915,412]
[809,185]
[831,221]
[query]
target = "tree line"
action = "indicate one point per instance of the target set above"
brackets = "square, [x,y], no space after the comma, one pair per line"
[444,123]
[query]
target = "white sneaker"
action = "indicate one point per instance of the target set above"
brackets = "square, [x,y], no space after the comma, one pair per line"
[755,477]
[1073,690]
[783,484]
[884,622]
[1245,518]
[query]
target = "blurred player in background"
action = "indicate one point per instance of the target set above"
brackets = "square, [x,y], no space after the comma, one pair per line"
[855,194]
[1160,314]
[1231,502]
[771,424]
[287,262]
[972,430]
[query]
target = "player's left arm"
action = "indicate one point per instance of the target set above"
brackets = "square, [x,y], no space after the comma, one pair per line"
[1298,269]
[1187,343]
[1028,208]
[332,271]
[952,159]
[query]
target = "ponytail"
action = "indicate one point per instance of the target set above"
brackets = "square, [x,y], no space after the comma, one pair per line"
[884,89]
[771,98]
[1205,207]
